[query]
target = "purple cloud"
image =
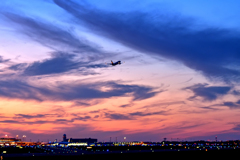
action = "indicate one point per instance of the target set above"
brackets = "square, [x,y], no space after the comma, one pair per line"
[208,93]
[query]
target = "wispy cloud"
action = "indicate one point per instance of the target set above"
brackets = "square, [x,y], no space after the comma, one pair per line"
[118,116]
[56,121]
[18,67]
[210,108]
[132,115]
[229,104]
[125,105]
[164,104]
[50,35]
[28,116]
[59,62]
[73,91]
[42,119]
[142,114]
[212,51]
[85,118]
[208,93]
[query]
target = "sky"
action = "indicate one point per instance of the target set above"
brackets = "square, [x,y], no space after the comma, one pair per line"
[179,77]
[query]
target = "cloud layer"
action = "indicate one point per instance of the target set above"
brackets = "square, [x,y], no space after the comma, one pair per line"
[48,34]
[212,51]
[73,91]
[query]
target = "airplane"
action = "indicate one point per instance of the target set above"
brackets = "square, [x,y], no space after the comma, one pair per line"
[115,63]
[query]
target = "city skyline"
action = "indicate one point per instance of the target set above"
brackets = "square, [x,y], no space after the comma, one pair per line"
[179,76]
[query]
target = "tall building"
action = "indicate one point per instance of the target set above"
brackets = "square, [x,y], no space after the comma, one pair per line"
[64,138]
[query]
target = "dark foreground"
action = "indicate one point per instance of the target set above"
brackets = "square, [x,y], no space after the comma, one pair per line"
[169,154]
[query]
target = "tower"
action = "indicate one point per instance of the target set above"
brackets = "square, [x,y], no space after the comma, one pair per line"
[64,138]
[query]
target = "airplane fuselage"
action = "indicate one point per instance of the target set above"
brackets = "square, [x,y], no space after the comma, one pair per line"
[116,63]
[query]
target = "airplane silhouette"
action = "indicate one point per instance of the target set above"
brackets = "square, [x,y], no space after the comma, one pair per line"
[115,63]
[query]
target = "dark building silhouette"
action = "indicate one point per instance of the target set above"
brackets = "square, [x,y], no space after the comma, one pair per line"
[79,140]
[64,138]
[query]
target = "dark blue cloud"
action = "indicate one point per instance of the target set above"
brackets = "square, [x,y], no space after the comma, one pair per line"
[133,115]
[238,102]
[212,51]
[28,116]
[82,104]
[236,92]
[237,127]
[117,116]
[208,93]
[85,103]
[21,90]
[72,91]
[18,67]
[57,64]
[85,118]
[148,114]
[9,121]
[58,121]
[2,60]
[24,119]
[232,105]
[60,62]
[89,91]
[125,105]
[229,104]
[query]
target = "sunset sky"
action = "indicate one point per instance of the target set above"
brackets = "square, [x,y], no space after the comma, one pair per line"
[179,77]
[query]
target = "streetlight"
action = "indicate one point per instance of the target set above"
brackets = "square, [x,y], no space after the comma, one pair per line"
[24,136]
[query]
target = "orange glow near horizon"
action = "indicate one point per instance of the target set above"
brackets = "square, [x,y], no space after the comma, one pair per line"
[49,117]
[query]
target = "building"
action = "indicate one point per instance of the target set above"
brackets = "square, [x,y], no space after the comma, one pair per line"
[4,140]
[78,141]
[85,140]
[9,141]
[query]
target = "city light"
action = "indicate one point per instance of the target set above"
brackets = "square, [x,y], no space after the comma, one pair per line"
[24,137]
